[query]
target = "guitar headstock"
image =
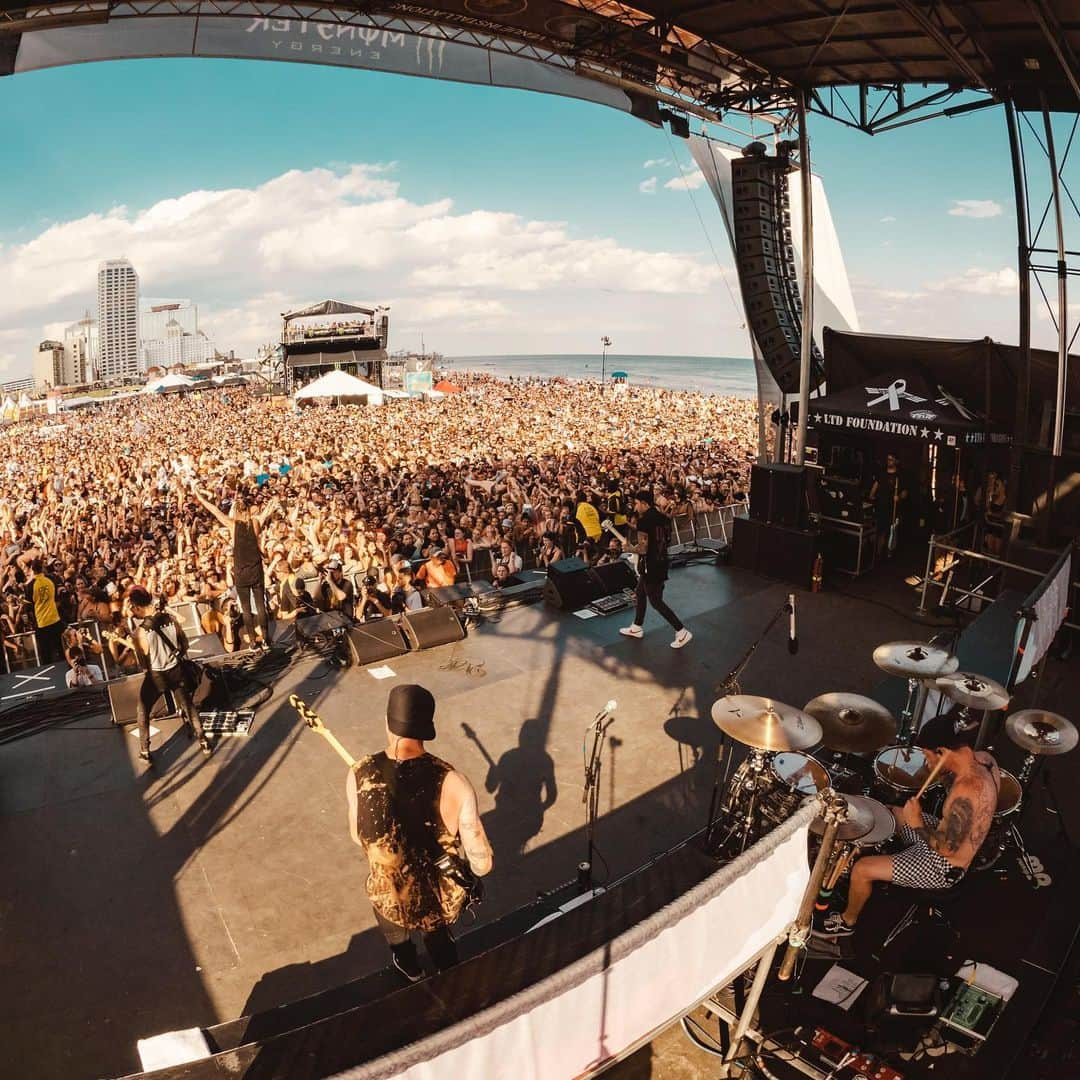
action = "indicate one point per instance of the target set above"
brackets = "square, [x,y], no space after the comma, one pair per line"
[607,523]
[309,716]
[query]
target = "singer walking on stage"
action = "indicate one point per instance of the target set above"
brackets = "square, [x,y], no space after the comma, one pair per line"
[654,535]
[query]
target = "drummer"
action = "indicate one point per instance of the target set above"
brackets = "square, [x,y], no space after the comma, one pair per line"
[937,852]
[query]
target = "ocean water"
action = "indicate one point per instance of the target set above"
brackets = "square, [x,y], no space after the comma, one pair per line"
[708,374]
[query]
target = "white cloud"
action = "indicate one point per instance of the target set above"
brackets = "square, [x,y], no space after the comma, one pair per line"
[689,182]
[648,187]
[1003,282]
[888,219]
[975,208]
[657,163]
[247,254]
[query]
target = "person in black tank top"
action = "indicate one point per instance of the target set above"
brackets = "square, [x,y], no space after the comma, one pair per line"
[410,810]
[247,564]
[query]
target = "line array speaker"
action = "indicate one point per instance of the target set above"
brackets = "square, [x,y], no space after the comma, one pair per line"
[766,265]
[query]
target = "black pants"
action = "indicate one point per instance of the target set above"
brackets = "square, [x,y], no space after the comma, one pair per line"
[653,592]
[246,594]
[156,683]
[49,642]
[440,944]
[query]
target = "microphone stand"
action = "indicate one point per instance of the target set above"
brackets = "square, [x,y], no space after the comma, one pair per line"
[591,795]
[730,686]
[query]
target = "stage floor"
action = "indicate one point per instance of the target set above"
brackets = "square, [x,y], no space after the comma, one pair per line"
[136,902]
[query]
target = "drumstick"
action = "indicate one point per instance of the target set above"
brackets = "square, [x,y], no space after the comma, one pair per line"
[930,779]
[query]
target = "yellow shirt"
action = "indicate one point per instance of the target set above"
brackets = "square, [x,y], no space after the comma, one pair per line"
[590,520]
[44,594]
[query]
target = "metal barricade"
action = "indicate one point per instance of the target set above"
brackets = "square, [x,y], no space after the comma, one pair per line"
[24,654]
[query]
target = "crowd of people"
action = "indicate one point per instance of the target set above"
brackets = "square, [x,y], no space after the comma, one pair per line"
[351,507]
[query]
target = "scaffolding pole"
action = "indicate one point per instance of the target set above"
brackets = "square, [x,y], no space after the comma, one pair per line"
[807,336]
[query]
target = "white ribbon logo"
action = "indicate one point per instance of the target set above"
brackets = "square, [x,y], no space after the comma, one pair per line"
[892,394]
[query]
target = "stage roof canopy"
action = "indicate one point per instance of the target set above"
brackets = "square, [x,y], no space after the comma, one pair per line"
[712,55]
[324,307]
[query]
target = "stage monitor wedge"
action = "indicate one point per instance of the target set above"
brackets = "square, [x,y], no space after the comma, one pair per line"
[430,627]
[372,642]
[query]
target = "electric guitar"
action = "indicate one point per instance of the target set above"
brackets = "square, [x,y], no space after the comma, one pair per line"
[632,556]
[314,721]
[110,635]
[451,866]
[895,514]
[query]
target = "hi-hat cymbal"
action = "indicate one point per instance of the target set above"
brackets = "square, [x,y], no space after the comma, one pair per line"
[765,724]
[861,819]
[852,723]
[914,659]
[973,691]
[1040,732]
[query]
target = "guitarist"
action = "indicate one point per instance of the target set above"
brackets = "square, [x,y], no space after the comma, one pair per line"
[413,814]
[160,644]
[886,493]
[654,535]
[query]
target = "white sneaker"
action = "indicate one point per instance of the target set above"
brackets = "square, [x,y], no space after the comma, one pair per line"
[633,630]
[683,637]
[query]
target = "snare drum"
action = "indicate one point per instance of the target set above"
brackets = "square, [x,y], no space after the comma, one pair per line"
[799,772]
[899,771]
[1009,795]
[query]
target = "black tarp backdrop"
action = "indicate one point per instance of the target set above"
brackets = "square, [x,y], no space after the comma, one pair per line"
[985,374]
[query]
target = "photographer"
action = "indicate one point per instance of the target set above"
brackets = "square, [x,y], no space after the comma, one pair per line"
[335,590]
[81,673]
[372,603]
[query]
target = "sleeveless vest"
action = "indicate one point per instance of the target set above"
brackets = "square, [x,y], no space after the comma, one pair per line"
[403,834]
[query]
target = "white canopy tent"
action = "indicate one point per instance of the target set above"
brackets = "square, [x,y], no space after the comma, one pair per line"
[340,386]
[168,382]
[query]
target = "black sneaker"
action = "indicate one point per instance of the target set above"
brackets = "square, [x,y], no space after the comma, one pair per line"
[834,926]
[408,966]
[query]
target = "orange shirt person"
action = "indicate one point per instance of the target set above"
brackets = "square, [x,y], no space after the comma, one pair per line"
[437,572]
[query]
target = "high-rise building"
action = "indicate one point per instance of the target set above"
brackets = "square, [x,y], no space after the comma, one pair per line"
[118,319]
[49,365]
[169,334]
[80,351]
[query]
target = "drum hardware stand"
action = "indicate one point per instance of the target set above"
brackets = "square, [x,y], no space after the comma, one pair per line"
[740,805]
[591,795]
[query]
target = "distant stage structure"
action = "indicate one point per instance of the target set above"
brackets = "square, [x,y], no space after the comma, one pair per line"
[332,335]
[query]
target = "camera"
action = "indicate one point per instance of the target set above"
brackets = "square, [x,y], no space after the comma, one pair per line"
[370,581]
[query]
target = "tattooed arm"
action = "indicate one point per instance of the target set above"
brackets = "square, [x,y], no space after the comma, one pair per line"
[461,815]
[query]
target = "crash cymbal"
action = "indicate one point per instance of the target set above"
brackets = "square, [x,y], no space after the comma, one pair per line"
[852,723]
[973,691]
[765,724]
[861,819]
[1040,732]
[914,659]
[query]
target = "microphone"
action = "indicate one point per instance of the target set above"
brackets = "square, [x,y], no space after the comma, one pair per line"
[793,637]
[607,710]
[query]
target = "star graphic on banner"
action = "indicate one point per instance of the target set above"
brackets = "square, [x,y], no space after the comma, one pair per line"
[816,417]
[938,434]
[924,433]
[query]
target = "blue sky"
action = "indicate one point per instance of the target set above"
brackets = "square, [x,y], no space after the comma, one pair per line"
[499,166]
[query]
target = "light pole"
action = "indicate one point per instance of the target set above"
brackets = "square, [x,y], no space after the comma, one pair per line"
[605,343]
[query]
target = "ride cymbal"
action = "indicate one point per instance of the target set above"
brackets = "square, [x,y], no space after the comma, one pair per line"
[973,691]
[914,660]
[1040,732]
[851,723]
[765,724]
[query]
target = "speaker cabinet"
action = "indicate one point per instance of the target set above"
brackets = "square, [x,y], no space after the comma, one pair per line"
[569,585]
[614,577]
[775,551]
[778,494]
[319,630]
[124,700]
[430,627]
[374,641]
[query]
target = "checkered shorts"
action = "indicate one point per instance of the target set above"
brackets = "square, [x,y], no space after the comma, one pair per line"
[918,866]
